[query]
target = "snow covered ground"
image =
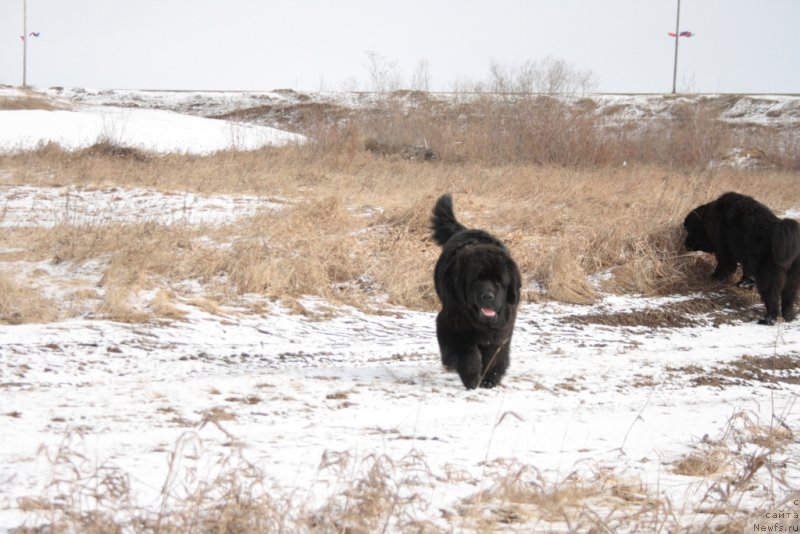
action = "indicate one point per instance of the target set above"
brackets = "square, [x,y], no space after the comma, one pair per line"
[293,389]
[30,206]
[288,391]
[155,130]
[775,110]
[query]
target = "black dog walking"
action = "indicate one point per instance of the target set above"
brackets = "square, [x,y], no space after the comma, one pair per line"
[738,229]
[478,284]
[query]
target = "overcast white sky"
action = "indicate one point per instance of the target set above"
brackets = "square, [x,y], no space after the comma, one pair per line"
[739,45]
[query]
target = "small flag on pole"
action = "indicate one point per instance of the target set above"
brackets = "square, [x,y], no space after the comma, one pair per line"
[32,34]
[682,34]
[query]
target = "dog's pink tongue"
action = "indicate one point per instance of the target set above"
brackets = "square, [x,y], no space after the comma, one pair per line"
[488,312]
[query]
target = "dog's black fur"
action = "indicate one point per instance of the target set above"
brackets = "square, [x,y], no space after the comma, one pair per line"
[738,229]
[478,284]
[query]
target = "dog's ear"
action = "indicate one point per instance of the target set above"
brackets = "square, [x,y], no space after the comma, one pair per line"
[515,285]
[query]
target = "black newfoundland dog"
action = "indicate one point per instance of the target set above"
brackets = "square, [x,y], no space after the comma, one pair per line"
[478,284]
[738,229]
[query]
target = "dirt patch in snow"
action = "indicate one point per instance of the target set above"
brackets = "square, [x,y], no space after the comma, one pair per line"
[715,310]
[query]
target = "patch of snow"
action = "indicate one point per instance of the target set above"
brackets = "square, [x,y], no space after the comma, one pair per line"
[148,129]
[742,158]
[29,206]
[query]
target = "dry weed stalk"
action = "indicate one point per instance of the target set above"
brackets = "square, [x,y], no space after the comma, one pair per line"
[80,495]
[374,494]
[229,495]
[745,459]
[203,492]
[522,498]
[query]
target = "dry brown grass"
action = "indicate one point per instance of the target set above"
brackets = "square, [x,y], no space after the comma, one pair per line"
[715,309]
[748,452]
[546,130]
[373,494]
[21,303]
[355,230]
[380,493]
[544,176]
[522,499]
[747,370]
[708,462]
[27,101]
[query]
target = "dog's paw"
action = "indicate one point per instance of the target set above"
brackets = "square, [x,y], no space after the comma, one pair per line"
[470,381]
[488,384]
[766,321]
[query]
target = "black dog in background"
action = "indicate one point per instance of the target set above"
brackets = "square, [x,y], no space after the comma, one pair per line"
[478,284]
[738,229]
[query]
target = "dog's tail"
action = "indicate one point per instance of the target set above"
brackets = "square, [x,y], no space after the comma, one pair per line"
[443,222]
[786,242]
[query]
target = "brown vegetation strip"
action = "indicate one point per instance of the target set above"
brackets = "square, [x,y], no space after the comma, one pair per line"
[714,309]
[746,370]
[27,102]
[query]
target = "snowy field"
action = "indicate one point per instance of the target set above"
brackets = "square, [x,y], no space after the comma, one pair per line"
[172,400]
[156,130]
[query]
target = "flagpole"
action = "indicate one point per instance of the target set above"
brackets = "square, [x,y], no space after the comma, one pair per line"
[24,44]
[677,38]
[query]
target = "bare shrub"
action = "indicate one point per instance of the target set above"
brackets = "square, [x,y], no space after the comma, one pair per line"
[548,76]
[331,137]
[780,148]
[384,74]
[515,128]
[692,138]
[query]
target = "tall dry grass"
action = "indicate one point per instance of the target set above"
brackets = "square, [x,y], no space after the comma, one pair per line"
[358,231]
[548,129]
[204,492]
[29,100]
[585,207]
[22,303]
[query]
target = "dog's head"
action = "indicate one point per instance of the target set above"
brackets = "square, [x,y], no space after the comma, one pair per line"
[696,235]
[487,300]
[487,287]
